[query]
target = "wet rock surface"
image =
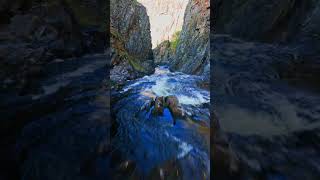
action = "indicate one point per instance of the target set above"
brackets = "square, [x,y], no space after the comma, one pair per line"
[159,104]
[35,33]
[263,114]
[267,95]
[54,92]
[270,21]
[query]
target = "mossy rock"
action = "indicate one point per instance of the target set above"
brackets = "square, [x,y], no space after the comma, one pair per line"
[116,35]
[124,55]
[175,41]
[136,65]
[118,46]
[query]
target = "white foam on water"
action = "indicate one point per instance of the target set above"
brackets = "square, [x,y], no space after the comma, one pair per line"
[161,70]
[197,99]
[184,147]
[177,84]
[130,86]
[162,87]
[140,81]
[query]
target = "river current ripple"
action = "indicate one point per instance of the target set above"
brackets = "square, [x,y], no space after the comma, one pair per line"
[153,142]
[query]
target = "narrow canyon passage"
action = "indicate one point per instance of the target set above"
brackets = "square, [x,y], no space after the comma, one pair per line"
[166,18]
[80,103]
[160,100]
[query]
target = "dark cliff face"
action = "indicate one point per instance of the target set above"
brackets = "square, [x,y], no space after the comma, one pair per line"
[293,25]
[192,54]
[265,58]
[132,54]
[35,33]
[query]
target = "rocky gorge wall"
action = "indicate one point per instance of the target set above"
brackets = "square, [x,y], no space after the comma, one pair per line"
[132,54]
[277,21]
[166,18]
[191,54]
[53,87]
[35,33]
[288,24]
[265,58]
[164,54]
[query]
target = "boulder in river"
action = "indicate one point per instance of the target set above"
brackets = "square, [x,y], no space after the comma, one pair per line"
[158,106]
[172,103]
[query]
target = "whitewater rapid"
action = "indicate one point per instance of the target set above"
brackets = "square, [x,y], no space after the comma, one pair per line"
[165,83]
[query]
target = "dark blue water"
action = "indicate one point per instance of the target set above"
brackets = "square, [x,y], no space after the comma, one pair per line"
[151,142]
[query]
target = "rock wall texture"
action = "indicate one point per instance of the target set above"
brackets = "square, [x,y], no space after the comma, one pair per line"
[35,33]
[54,96]
[166,18]
[132,54]
[265,58]
[192,53]
[265,20]
[163,53]
[261,103]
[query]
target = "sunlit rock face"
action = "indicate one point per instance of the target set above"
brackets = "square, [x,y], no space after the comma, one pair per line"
[192,53]
[130,41]
[166,17]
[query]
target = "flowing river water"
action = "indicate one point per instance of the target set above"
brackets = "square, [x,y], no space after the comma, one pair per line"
[152,146]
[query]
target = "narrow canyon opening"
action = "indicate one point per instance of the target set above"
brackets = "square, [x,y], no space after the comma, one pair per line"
[166,18]
[160,103]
